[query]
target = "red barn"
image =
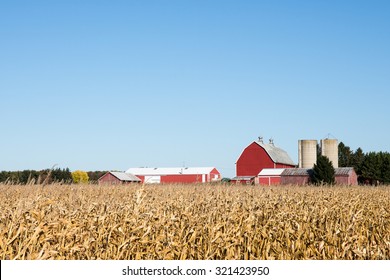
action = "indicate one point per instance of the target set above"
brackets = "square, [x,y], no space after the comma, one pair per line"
[176,174]
[114,178]
[301,176]
[270,176]
[296,176]
[346,176]
[259,155]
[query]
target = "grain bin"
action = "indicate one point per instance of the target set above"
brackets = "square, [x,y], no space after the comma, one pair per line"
[307,153]
[330,149]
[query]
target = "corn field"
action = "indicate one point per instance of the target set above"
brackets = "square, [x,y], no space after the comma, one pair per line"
[163,222]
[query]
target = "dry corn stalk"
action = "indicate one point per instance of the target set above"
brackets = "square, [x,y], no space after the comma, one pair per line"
[194,222]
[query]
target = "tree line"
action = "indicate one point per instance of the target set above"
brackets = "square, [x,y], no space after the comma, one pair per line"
[372,168]
[49,176]
[46,176]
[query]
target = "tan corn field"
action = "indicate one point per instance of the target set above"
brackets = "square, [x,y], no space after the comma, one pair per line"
[194,222]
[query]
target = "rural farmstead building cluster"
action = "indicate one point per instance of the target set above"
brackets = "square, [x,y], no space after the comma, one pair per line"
[163,175]
[266,164]
[176,174]
[259,163]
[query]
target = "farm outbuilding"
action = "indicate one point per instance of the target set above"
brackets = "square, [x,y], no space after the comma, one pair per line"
[259,155]
[296,176]
[243,180]
[270,176]
[114,178]
[346,176]
[301,176]
[176,174]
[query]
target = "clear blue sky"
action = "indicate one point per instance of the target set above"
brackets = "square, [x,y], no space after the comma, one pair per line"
[104,85]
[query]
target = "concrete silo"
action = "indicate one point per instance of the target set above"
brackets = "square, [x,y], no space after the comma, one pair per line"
[330,149]
[307,153]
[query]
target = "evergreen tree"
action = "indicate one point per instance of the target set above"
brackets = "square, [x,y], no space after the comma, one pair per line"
[95,175]
[61,175]
[67,176]
[3,176]
[323,172]
[357,160]
[370,170]
[385,168]
[345,155]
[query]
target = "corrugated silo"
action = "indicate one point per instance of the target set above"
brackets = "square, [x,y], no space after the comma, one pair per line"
[330,149]
[307,153]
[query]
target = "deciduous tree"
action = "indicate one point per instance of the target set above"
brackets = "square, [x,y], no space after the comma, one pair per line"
[79,176]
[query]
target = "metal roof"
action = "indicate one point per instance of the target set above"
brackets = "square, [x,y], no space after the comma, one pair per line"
[271,172]
[276,154]
[296,172]
[144,171]
[243,178]
[125,176]
[341,171]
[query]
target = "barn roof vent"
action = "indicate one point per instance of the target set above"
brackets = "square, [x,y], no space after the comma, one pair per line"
[271,141]
[260,139]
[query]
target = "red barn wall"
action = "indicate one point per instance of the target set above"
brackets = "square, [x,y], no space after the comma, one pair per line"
[295,180]
[252,160]
[267,180]
[353,178]
[109,179]
[142,178]
[212,175]
[185,178]
[181,178]
[342,180]
[350,179]
[281,165]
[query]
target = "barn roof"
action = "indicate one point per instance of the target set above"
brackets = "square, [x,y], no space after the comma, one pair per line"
[296,172]
[271,172]
[170,170]
[276,154]
[341,171]
[242,178]
[126,177]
